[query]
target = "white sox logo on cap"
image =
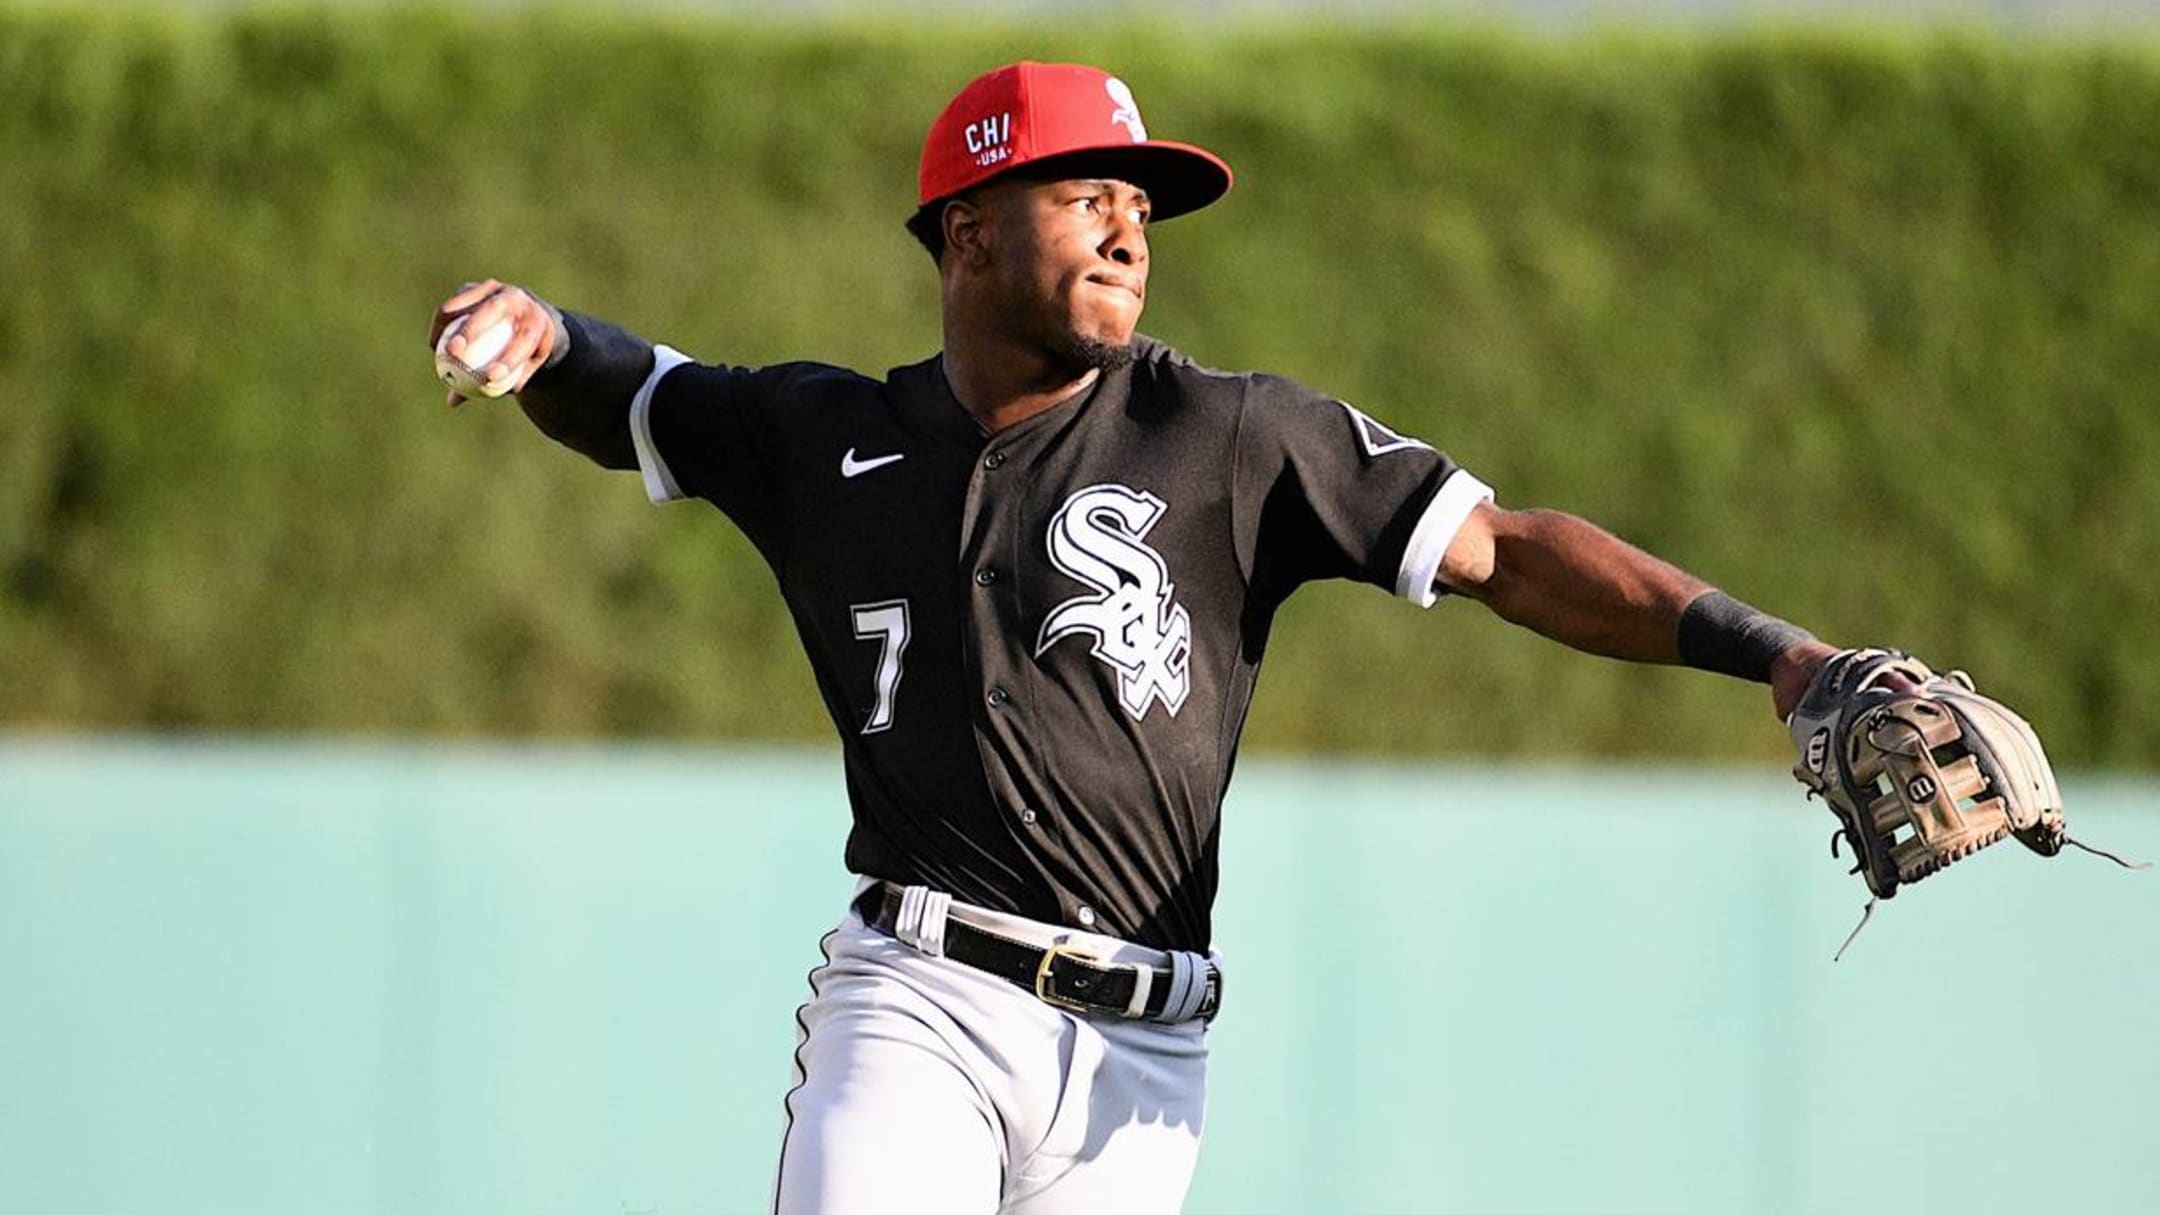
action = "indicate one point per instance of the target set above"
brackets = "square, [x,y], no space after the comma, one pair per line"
[1127,113]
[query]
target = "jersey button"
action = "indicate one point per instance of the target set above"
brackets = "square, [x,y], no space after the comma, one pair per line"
[985,577]
[994,460]
[1086,916]
[997,697]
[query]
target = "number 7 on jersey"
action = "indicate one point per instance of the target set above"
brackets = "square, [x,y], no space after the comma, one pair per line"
[887,623]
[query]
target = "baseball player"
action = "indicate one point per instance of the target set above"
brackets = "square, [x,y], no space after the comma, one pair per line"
[1034,574]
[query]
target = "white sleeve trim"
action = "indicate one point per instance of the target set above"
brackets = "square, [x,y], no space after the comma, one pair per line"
[660,484]
[1436,528]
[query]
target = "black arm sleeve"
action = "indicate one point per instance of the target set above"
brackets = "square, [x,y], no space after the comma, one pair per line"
[581,397]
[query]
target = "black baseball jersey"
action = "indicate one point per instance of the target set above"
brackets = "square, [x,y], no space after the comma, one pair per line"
[1038,645]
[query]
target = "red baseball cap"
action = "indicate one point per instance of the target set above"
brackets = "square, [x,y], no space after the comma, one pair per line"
[1026,113]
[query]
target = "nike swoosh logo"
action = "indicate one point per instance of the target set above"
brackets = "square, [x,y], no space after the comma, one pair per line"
[852,467]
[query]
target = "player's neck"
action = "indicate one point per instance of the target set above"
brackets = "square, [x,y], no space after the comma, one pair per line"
[1001,385]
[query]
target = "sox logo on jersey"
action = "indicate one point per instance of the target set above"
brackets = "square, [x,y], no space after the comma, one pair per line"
[1140,630]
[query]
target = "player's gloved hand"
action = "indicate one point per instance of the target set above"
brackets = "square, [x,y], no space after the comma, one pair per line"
[1921,769]
[1793,670]
[485,303]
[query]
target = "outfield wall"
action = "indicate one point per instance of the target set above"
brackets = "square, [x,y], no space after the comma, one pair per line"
[1861,326]
[366,979]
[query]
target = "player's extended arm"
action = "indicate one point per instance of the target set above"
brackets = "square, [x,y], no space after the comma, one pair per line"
[573,375]
[1574,582]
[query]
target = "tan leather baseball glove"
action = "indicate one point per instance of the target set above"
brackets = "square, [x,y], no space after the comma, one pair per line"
[1921,769]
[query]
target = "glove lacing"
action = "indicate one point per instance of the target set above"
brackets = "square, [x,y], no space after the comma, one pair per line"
[2109,855]
[1869,910]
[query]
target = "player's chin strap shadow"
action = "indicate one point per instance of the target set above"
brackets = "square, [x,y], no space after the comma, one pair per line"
[1869,910]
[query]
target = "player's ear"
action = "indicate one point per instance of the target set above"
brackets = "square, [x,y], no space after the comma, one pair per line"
[967,231]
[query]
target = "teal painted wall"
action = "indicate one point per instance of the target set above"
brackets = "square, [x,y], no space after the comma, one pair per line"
[244,977]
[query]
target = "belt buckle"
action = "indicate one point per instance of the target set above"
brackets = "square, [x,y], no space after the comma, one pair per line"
[1045,989]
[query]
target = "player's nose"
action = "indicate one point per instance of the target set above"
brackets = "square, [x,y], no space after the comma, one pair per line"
[1124,242]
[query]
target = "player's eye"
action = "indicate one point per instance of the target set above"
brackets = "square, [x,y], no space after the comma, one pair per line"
[1103,203]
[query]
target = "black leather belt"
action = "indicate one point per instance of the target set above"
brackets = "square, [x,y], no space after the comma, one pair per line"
[1060,975]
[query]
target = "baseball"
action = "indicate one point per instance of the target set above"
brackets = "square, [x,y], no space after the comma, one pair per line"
[468,375]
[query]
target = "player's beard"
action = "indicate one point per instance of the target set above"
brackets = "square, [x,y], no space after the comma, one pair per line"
[1096,354]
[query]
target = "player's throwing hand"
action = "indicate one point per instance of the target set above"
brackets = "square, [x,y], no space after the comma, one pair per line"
[485,305]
